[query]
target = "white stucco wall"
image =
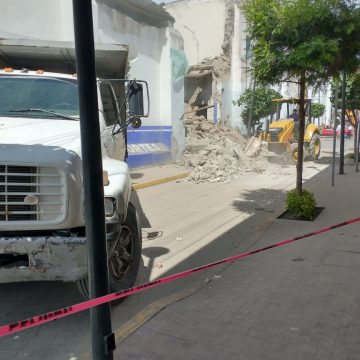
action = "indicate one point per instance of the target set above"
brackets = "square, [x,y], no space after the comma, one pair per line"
[149,46]
[201,24]
[179,65]
[240,78]
[146,44]
[27,18]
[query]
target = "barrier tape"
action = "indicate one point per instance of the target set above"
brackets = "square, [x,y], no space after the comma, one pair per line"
[57,314]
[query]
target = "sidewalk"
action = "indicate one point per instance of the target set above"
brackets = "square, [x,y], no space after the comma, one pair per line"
[300,301]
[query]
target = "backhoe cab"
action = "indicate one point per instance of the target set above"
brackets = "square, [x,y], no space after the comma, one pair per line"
[282,134]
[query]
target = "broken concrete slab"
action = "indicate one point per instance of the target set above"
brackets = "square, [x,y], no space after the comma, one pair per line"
[253,146]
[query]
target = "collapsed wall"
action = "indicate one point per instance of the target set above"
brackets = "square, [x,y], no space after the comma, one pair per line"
[213,151]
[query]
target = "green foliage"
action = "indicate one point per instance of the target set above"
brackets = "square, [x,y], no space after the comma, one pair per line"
[352,91]
[263,105]
[310,41]
[303,206]
[317,110]
[320,38]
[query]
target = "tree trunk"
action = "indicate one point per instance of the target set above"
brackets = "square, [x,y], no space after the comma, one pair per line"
[251,113]
[299,164]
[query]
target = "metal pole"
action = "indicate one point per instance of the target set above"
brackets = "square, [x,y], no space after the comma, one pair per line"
[342,132]
[319,103]
[334,136]
[357,145]
[103,342]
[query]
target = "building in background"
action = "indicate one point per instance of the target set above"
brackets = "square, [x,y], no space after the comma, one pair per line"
[217,48]
[154,53]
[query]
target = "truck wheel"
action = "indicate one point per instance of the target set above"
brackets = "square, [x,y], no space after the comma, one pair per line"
[315,145]
[124,256]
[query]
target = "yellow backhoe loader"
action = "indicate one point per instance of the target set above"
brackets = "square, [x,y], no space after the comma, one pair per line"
[282,134]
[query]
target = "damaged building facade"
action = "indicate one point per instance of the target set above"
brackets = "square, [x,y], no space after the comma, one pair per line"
[154,54]
[216,46]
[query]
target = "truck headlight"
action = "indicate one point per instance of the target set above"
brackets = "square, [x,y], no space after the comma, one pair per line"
[110,206]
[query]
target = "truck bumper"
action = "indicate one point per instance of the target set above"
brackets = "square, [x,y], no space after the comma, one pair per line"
[42,258]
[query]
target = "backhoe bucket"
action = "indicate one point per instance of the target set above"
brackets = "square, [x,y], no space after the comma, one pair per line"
[278,147]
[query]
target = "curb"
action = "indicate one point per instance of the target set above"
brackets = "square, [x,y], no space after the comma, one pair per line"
[155,182]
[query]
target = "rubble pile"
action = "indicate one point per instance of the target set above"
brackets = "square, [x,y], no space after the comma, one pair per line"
[220,65]
[216,153]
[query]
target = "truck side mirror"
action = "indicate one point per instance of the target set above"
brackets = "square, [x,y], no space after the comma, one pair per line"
[135,99]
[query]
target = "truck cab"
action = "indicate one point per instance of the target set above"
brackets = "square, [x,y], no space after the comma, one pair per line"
[42,227]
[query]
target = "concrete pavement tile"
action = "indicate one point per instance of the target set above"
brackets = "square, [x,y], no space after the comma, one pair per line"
[15,341]
[44,352]
[346,357]
[155,343]
[343,259]
[307,351]
[345,351]
[8,354]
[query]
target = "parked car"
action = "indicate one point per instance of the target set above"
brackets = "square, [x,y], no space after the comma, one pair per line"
[328,130]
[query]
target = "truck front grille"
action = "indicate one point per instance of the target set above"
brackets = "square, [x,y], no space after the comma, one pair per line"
[31,193]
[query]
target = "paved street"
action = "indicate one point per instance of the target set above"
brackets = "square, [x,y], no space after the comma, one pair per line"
[186,225]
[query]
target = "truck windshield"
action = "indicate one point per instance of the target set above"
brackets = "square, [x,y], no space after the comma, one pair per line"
[58,98]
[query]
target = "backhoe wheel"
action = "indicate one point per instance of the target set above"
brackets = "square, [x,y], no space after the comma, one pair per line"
[124,256]
[315,145]
[294,154]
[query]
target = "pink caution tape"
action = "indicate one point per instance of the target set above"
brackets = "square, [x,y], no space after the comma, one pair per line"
[57,314]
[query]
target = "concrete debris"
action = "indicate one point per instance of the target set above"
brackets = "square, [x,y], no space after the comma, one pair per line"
[216,153]
[219,65]
[193,98]
[253,146]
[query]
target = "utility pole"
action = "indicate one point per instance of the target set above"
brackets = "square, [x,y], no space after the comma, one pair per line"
[357,144]
[342,132]
[334,136]
[103,341]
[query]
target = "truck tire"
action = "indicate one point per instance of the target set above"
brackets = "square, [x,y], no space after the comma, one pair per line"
[124,256]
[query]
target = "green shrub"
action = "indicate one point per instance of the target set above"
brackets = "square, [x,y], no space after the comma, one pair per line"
[303,206]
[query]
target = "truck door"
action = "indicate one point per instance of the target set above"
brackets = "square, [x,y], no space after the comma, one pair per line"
[115,145]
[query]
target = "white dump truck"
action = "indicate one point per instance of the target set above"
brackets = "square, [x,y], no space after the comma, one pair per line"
[42,227]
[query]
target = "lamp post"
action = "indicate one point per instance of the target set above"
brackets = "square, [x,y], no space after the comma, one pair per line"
[103,342]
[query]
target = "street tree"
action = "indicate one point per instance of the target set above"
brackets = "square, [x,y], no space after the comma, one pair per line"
[262,103]
[309,41]
[317,110]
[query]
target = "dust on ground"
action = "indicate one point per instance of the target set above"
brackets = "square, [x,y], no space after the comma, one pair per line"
[216,153]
